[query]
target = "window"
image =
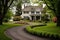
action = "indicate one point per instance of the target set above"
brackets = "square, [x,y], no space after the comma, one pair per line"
[26,17]
[38,12]
[32,11]
[26,11]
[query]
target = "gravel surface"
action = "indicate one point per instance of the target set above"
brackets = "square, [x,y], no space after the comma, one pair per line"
[18,33]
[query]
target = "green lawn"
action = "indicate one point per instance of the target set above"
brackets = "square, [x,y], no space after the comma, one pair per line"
[51,28]
[3,28]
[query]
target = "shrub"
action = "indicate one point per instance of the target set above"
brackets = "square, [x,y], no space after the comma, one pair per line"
[42,34]
[35,33]
[57,36]
[46,17]
[40,25]
[6,20]
[48,35]
[39,34]
[21,22]
[52,36]
[8,16]
[54,19]
[16,18]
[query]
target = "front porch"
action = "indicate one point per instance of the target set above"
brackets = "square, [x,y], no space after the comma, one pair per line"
[34,18]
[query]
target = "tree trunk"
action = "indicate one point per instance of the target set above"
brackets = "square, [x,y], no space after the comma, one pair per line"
[1,22]
[58,12]
[3,16]
[58,20]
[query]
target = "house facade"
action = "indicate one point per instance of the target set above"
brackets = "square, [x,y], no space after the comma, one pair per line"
[32,12]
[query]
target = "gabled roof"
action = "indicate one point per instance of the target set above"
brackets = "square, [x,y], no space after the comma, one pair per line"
[32,8]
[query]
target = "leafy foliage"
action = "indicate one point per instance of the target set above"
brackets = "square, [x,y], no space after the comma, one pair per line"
[55,7]
[16,18]
[4,6]
[8,16]
[52,5]
[19,9]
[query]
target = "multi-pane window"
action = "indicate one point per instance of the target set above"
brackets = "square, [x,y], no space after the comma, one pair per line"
[37,12]
[26,11]
[32,11]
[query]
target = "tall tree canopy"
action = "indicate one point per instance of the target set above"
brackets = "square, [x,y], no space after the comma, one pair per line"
[4,6]
[54,5]
[19,8]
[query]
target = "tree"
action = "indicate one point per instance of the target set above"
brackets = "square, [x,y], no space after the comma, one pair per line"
[18,11]
[4,6]
[54,5]
[19,8]
[8,16]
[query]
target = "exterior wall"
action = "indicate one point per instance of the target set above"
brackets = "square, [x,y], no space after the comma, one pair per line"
[37,9]
[29,15]
[26,14]
[25,4]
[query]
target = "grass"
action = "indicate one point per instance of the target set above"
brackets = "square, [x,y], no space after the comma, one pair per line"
[3,28]
[50,29]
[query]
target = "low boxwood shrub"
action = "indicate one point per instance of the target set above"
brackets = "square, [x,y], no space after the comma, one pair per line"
[42,34]
[52,36]
[57,36]
[40,25]
[48,35]
[34,33]
[28,29]
[38,34]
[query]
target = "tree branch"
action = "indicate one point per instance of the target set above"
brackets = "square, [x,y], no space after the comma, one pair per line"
[49,6]
[10,3]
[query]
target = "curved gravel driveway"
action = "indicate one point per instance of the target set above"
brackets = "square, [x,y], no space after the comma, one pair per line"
[18,33]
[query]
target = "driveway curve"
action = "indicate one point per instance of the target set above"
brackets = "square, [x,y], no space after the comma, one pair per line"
[18,33]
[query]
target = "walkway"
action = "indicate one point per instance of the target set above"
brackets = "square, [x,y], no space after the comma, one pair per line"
[18,33]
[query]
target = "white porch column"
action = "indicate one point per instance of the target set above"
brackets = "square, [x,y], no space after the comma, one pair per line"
[22,12]
[29,12]
[30,17]
[35,18]
[35,12]
[40,16]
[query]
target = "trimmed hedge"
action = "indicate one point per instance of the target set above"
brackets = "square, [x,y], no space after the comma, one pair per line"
[40,25]
[42,34]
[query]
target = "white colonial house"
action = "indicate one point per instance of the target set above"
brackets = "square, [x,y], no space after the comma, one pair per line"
[32,12]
